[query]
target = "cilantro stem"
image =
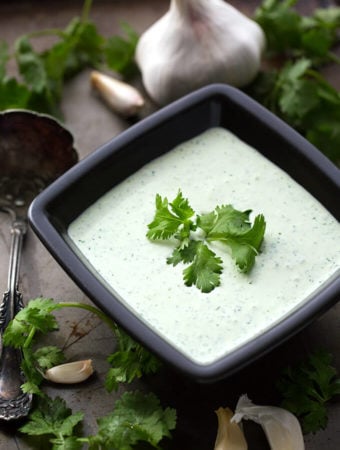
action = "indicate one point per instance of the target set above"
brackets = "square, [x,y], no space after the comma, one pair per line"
[46,32]
[86,10]
[112,325]
[30,337]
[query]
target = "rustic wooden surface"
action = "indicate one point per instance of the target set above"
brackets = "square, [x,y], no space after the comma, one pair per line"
[81,335]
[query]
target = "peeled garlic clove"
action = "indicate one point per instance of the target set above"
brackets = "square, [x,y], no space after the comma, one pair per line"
[198,42]
[229,434]
[120,96]
[69,373]
[281,427]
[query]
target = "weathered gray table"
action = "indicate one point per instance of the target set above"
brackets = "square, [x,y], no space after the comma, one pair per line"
[82,335]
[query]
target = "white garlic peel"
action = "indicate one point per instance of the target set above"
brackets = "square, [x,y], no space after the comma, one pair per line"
[229,434]
[281,427]
[121,97]
[198,42]
[70,373]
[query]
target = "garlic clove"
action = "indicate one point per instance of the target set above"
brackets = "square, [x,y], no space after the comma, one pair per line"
[123,98]
[69,373]
[198,42]
[229,434]
[281,427]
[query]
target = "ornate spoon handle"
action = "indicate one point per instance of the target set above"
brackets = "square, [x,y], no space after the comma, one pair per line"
[14,404]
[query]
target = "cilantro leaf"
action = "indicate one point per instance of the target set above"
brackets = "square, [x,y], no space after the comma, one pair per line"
[166,222]
[205,270]
[49,356]
[13,94]
[224,220]
[52,417]
[36,315]
[30,64]
[35,363]
[83,45]
[31,371]
[233,228]
[281,24]
[129,362]
[137,417]
[244,245]
[120,51]
[307,388]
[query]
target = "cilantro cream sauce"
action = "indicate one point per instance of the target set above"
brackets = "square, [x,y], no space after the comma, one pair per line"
[300,250]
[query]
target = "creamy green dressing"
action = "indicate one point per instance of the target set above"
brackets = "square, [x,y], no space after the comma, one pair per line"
[300,250]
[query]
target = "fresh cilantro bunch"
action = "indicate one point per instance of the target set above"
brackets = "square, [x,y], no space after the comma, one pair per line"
[224,224]
[295,88]
[43,74]
[136,416]
[292,34]
[22,332]
[129,362]
[307,389]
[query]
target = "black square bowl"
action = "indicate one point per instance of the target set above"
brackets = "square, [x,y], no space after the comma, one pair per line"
[216,105]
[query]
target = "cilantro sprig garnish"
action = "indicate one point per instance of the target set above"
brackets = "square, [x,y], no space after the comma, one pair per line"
[193,233]
[307,389]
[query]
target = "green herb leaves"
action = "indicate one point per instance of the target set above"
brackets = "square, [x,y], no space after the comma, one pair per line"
[119,52]
[43,73]
[53,418]
[308,387]
[289,32]
[129,362]
[195,232]
[297,91]
[136,417]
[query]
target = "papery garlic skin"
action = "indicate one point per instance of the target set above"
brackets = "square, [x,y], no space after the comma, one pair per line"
[70,373]
[123,98]
[198,42]
[281,427]
[229,434]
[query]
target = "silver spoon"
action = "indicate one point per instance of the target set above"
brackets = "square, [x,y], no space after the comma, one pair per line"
[34,150]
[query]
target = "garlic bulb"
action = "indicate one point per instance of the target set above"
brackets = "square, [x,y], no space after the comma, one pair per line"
[281,427]
[70,373]
[229,434]
[120,96]
[198,42]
